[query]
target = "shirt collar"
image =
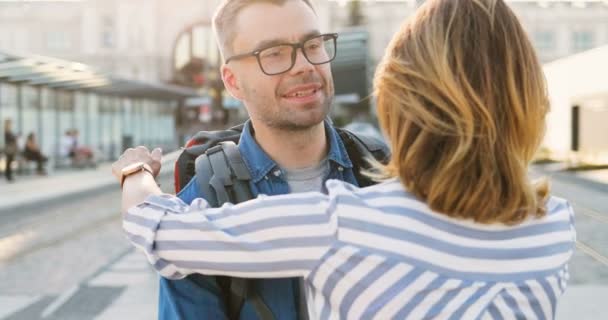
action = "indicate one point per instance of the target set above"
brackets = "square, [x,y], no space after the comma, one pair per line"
[337,151]
[260,164]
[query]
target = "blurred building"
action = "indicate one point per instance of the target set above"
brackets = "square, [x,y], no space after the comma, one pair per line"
[140,39]
[49,97]
[133,39]
[560,29]
[578,89]
[556,28]
[171,41]
[144,40]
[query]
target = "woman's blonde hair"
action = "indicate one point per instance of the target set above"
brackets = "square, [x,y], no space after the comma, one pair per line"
[462,99]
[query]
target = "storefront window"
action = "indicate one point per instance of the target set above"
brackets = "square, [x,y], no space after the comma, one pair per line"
[8,107]
[138,135]
[93,127]
[64,104]
[106,127]
[30,115]
[116,138]
[81,117]
[49,135]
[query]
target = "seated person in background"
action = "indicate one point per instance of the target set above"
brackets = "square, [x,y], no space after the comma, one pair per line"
[67,145]
[82,153]
[79,155]
[457,231]
[32,152]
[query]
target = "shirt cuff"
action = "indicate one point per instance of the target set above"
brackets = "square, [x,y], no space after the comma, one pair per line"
[167,202]
[142,223]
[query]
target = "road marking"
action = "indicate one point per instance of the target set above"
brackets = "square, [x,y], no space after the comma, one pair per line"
[63,298]
[592,253]
[596,216]
[12,304]
[590,212]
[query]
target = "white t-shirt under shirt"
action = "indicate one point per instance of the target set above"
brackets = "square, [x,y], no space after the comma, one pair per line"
[307,179]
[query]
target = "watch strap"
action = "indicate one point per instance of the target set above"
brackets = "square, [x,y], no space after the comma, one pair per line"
[143,167]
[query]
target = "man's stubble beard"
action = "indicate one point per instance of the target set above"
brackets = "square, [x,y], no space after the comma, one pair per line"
[280,118]
[289,122]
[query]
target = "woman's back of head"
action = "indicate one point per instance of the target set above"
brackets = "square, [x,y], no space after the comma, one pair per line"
[462,99]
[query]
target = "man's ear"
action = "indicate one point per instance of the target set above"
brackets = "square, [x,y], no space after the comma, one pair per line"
[231,82]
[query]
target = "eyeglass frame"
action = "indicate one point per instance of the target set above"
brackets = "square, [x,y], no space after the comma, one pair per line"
[294,53]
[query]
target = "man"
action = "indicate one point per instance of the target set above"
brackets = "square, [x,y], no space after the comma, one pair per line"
[276,61]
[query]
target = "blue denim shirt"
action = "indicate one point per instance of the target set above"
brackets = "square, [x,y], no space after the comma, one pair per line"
[185,299]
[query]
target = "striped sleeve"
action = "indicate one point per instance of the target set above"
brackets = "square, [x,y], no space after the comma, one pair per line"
[269,237]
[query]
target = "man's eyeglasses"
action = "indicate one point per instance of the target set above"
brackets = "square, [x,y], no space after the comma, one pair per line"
[281,58]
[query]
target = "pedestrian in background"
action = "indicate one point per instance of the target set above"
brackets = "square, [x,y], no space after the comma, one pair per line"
[10,148]
[457,231]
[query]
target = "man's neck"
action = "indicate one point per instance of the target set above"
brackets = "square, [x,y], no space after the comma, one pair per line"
[293,149]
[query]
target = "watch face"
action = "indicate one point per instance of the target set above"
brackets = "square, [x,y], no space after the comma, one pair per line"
[131,169]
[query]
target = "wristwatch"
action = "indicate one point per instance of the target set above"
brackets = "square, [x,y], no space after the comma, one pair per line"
[133,169]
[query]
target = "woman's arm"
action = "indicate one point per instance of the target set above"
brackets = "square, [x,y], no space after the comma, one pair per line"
[137,188]
[269,237]
[282,236]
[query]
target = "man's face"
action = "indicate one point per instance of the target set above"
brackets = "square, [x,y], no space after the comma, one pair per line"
[294,100]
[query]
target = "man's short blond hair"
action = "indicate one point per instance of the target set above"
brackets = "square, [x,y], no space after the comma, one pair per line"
[224,20]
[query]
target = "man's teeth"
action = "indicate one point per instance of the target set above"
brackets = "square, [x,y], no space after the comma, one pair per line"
[303,93]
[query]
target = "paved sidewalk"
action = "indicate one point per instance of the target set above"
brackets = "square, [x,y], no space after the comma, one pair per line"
[595,176]
[39,189]
[35,190]
[139,299]
[598,179]
[127,288]
[586,296]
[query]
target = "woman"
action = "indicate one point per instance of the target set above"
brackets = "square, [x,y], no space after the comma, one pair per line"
[10,148]
[457,231]
[32,152]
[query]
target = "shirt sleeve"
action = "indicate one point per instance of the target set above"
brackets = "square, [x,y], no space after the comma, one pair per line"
[268,237]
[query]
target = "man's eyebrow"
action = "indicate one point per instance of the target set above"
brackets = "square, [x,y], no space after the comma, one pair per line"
[273,42]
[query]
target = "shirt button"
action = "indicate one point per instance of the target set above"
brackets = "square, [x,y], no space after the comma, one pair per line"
[265,177]
[340,169]
[277,173]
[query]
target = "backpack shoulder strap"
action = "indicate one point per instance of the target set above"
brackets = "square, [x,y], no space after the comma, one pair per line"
[197,145]
[362,148]
[223,177]
[242,290]
[365,143]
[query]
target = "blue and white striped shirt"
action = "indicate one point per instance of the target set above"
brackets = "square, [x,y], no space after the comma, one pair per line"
[371,253]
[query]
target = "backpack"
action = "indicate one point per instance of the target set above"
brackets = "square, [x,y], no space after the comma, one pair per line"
[214,158]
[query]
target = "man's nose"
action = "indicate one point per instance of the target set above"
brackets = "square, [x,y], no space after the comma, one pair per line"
[301,65]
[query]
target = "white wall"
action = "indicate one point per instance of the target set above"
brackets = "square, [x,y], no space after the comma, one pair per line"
[576,80]
[594,129]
